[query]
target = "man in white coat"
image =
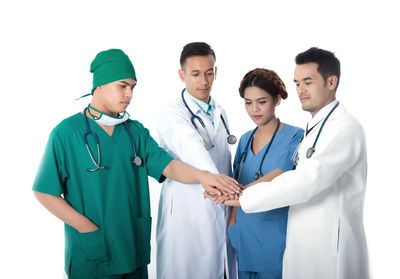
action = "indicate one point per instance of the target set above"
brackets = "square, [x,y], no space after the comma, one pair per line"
[192,237]
[325,231]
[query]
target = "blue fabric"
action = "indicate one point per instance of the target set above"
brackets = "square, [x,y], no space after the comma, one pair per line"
[260,238]
[259,275]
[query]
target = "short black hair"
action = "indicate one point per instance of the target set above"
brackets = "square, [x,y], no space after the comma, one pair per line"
[196,49]
[328,64]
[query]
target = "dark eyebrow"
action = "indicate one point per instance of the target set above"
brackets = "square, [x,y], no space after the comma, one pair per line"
[304,79]
[246,99]
[127,83]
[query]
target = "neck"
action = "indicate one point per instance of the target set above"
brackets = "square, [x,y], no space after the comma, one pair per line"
[100,108]
[268,128]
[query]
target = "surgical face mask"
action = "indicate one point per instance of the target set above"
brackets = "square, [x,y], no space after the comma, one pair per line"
[108,120]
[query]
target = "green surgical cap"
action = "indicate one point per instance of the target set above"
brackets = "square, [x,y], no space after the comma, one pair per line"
[109,66]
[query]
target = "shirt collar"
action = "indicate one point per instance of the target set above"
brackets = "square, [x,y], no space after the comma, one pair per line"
[321,114]
[206,108]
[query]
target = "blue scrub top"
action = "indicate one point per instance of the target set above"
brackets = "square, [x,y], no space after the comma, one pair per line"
[260,238]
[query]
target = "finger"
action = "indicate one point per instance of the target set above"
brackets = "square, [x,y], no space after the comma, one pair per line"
[232,202]
[232,184]
[221,199]
[209,196]
[213,190]
[226,185]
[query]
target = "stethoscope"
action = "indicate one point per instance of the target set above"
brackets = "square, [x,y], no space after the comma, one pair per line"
[231,138]
[243,157]
[311,150]
[135,159]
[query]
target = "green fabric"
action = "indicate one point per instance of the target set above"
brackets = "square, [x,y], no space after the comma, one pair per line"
[116,198]
[111,65]
[208,109]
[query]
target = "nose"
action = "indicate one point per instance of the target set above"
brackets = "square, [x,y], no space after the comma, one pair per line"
[301,89]
[129,92]
[255,107]
[204,80]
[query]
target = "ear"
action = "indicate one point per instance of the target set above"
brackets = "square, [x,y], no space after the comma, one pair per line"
[181,74]
[332,82]
[215,72]
[278,100]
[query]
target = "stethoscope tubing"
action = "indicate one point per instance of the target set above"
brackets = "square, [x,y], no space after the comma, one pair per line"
[136,160]
[242,159]
[231,138]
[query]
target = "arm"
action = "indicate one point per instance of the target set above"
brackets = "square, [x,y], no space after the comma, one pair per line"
[212,183]
[61,209]
[266,178]
[340,150]
[232,219]
[181,138]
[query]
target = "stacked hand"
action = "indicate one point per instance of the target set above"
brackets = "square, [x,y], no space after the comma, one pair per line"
[220,186]
[226,200]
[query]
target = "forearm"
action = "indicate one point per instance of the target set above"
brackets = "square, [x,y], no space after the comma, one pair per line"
[266,178]
[64,211]
[232,219]
[183,173]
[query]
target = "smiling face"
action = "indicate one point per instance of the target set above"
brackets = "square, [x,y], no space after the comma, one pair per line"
[199,73]
[314,92]
[260,105]
[114,97]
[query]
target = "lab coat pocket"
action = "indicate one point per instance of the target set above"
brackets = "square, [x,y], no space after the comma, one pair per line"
[95,246]
[143,233]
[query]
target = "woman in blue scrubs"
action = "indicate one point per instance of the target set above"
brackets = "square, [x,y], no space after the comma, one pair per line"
[263,153]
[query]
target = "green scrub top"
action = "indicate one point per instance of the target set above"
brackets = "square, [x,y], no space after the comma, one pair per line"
[115,198]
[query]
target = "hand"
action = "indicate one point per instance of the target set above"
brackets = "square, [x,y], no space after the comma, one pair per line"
[220,199]
[232,203]
[88,227]
[219,184]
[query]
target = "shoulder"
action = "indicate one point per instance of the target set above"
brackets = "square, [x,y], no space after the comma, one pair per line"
[245,137]
[346,123]
[70,125]
[292,131]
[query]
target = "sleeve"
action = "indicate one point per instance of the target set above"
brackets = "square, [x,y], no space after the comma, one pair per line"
[287,164]
[156,158]
[315,175]
[52,175]
[183,141]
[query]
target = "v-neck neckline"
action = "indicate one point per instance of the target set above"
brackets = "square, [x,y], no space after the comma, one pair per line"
[98,127]
[265,146]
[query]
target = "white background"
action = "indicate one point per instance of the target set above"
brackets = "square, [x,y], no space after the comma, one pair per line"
[47,46]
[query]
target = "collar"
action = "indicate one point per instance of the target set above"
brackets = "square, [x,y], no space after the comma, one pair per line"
[206,108]
[321,115]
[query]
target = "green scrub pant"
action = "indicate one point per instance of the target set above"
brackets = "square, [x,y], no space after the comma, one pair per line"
[139,273]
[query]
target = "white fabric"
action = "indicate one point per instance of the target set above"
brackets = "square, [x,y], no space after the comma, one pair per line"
[192,237]
[325,233]
[321,114]
[109,120]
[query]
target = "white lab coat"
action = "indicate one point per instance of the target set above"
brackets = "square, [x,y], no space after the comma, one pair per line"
[192,237]
[325,232]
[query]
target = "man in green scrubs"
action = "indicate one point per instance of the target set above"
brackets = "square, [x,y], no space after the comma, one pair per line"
[101,196]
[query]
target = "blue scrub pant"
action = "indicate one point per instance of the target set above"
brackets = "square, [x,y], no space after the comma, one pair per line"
[260,275]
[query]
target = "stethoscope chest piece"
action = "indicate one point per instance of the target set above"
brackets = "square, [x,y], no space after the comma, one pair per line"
[136,161]
[232,139]
[310,152]
[257,175]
